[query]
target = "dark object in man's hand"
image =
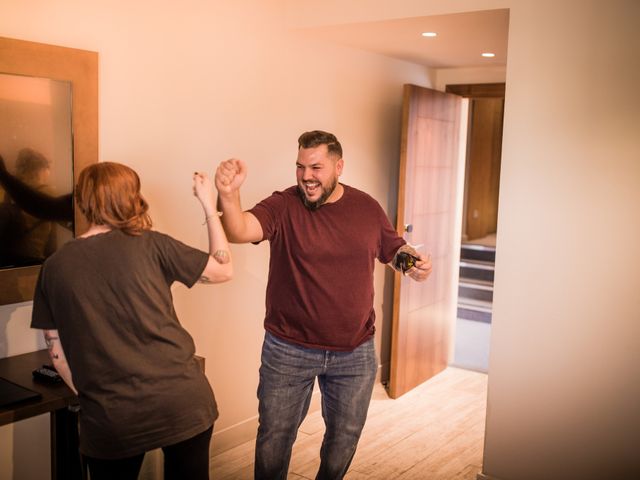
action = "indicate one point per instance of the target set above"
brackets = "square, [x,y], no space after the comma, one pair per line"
[405,261]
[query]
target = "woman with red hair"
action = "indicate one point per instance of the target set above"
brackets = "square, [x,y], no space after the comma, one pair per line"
[104,302]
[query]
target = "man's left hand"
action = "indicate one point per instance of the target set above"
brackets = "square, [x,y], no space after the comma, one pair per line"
[422,268]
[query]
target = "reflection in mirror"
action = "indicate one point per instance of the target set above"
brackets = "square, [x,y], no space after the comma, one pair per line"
[36,168]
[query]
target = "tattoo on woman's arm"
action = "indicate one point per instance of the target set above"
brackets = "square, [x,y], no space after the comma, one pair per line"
[221,256]
[49,339]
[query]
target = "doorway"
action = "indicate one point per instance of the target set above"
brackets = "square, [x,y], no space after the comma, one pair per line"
[479,224]
[431,167]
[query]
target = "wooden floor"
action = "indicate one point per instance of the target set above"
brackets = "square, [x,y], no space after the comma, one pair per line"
[434,432]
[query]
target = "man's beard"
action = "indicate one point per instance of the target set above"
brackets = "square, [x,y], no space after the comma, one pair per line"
[326,193]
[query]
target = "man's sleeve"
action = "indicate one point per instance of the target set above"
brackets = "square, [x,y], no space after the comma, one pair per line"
[268,212]
[390,241]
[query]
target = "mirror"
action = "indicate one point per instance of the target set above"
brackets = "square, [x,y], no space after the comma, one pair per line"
[48,133]
[36,145]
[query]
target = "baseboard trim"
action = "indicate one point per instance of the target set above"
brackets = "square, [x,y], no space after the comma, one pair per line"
[484,476]
[234,435]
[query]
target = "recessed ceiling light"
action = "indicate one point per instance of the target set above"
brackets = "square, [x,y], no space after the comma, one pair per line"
[488,54]
[429,34]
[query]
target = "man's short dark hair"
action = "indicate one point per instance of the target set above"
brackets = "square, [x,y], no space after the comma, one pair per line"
[318,137]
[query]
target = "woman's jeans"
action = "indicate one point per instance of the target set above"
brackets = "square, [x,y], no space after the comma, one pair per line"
[287,375]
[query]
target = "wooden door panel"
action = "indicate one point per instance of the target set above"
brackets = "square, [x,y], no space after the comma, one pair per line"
[424,312]
[485,150]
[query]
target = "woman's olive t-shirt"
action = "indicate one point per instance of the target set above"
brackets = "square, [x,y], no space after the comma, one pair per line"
[109,296]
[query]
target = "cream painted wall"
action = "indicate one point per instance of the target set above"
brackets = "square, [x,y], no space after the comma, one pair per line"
[184,87]
[564,366]
[564,352]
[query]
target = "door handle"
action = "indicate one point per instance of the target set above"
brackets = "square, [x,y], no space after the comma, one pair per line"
[408,227]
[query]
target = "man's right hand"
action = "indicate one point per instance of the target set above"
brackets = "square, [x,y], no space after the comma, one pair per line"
[240,226]
[230,175]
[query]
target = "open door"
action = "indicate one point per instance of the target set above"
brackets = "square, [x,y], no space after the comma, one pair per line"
[429,214]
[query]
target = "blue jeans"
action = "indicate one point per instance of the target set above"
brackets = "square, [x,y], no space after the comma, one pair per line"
[287,375]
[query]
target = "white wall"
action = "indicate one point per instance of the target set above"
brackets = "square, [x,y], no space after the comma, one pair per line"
[564,364]
[184,87]
[564,367]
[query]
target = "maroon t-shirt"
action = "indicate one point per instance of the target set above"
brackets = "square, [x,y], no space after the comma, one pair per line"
[320,288]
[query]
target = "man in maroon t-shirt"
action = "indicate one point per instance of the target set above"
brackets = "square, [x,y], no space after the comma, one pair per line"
[324,238]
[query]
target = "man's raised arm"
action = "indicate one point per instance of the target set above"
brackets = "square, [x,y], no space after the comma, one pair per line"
[240,226]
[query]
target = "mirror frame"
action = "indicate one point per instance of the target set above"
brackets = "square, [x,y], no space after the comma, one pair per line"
[80,67]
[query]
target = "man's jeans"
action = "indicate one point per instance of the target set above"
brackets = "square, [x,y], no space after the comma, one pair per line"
[287,375]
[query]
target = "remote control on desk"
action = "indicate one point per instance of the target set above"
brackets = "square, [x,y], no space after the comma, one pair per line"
[47,374]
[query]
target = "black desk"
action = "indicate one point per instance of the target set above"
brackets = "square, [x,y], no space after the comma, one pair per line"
[56,400]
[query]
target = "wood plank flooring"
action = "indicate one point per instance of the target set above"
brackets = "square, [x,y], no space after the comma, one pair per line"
[434,432]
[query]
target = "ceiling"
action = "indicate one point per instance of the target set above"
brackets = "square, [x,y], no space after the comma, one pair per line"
[462,38]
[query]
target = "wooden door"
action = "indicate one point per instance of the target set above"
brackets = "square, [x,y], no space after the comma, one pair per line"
[484,150]
[429,199]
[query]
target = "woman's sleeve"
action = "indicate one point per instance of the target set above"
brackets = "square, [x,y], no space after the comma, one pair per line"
[41,316]
[179,261]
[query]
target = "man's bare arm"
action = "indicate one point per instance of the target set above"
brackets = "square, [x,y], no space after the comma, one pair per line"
[240,226]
